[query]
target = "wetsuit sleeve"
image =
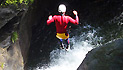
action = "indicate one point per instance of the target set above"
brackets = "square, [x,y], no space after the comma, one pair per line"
[49,21]
[74,21]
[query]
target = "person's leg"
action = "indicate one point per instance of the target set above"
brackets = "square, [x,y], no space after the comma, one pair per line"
[68,45]
[61,43]
[67,40]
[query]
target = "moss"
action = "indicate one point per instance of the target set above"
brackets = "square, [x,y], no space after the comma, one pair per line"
[14,37]
[16,2]
[2,65]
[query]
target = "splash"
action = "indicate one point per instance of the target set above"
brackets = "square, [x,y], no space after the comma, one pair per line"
[62,60]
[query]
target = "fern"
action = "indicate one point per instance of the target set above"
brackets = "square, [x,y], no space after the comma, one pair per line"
[14,37]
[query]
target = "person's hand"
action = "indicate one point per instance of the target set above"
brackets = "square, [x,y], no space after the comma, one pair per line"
[50,17]
[75,12]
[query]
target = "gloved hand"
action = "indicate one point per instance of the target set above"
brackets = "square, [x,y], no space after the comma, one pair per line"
[50,17]
[75,12]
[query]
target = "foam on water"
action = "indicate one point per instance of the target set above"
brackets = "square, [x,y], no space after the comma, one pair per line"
[62,60]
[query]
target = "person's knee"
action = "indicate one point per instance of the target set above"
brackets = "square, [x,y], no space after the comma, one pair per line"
[61,40]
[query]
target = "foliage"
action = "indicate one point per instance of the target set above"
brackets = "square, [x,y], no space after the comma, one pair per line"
[2,65]
[14,36]
[16,2]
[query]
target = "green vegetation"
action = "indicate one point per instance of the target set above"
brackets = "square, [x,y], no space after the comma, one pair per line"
[16,2]
[2,65]
[14,37]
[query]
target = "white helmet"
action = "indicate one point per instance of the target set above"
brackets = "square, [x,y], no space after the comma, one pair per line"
[62,8]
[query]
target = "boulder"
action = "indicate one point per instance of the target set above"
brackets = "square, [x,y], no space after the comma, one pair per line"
[107,57]
[6,14]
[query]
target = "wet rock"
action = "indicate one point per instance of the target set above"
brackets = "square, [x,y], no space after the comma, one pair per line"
[10,53]
[6,14]
[107,57]
[11,58]
[6,42]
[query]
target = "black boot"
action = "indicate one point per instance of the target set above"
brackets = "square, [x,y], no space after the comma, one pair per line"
[68,47]
[62,46]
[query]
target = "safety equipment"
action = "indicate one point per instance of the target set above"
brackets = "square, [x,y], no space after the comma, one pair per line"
[62,8]
[62,36]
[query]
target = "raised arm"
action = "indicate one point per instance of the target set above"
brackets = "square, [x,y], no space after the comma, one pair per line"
[74,21]
[50,20]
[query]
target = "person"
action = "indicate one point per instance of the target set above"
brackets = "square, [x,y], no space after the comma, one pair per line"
[61,22]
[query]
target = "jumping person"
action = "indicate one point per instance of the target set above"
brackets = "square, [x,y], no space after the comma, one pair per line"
[61,22]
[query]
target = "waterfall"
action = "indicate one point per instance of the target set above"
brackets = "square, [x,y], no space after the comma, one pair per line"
[70,60]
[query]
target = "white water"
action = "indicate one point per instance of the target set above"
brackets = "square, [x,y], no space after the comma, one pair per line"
[68,60]
[62,60]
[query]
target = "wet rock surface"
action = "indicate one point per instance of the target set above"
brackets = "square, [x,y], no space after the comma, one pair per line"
[6,14]
[107,57]
[10,52]
[10,55]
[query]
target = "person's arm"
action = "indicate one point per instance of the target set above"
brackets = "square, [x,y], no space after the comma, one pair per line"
[50,20]
[74,21]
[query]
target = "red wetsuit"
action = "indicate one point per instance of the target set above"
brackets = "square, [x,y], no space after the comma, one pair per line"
[61,22]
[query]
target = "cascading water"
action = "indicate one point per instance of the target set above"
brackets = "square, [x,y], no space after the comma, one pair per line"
[62,60]
[83,40]
[105,28]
